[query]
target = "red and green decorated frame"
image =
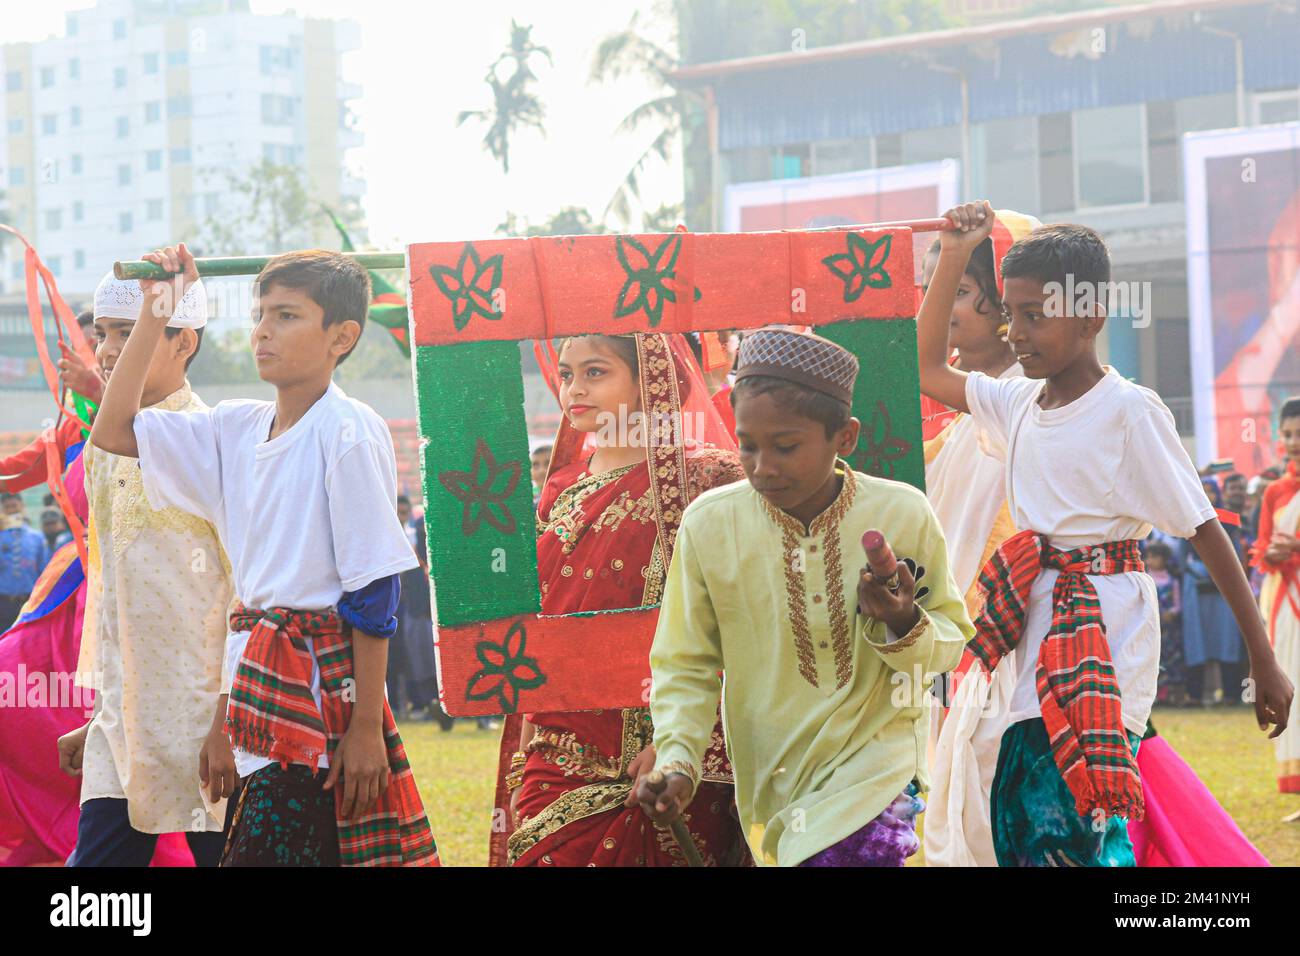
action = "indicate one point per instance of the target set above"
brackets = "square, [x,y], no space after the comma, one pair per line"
[472,303]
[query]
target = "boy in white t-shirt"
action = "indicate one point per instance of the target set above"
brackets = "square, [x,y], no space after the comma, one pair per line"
[1093,462]
[303,492]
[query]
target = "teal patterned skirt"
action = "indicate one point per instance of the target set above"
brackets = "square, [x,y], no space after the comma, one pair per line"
[1034,819]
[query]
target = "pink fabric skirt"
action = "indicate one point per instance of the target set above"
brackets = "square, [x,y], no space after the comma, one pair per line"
[1184,824]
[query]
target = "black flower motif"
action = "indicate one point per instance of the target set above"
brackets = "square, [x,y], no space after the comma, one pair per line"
[469,286]
[483,491]
[651,276]
[506,670]
[862,266]
[878,447]
[918,572]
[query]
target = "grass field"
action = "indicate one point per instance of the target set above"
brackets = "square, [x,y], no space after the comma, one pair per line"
[456,770]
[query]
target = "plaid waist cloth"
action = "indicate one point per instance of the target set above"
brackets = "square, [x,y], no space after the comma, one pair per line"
[272,713]
[1075,676]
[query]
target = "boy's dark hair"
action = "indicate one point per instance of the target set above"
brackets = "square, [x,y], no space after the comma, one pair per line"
[1290,409]
[1233,476]
[548,448]
[403,500]
[171,333]
[830,413]
[337,283]
[9,495]
[1050,253]
[86,319]
[1160,549]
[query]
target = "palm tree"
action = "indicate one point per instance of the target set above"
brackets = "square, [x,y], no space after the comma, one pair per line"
[625,53]
[514,105]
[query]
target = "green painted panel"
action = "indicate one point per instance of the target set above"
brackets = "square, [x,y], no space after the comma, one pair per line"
[482,530]
[887,397]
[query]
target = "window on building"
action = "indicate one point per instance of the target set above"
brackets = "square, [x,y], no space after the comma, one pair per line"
[153,111]
[119,29]
[124,174]
[47,76]
[840,156]
[123,127]
[72,25]
[78,211]
[54,219]
[275,59]
[49,124]
[79,259]
[154,209]
[15,126]
[56,265]
[1055,162]
[747,165]
[931,145]
[1110,152]
[74,69]
[13,81]
[17,175]
[889,150]
[277,110]
[125,222]
[177,57]
[74,115]
[153,160]
[17,270]
[1005,162]
[119,78]
[76,164]
[179,106]
[1281,106]
[180,154]
[151,63]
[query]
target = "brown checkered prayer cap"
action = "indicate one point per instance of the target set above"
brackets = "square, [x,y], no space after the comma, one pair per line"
[799,357]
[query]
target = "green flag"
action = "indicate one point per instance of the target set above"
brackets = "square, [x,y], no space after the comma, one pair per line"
[387,305]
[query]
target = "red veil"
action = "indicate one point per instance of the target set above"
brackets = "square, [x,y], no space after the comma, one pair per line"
[679,422]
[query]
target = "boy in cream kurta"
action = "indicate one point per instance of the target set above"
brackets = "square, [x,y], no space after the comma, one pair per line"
[825,669]
[155,627]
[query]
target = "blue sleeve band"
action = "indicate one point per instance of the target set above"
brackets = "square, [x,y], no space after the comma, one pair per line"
[373,609]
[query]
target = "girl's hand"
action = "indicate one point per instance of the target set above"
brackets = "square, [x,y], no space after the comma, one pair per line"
[972,224]
[72,747]
[362,759]
[217,765]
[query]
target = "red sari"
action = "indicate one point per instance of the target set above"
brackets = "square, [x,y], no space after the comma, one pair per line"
[604,542]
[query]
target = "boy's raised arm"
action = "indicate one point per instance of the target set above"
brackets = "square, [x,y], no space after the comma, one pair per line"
[972,224]
[114,427]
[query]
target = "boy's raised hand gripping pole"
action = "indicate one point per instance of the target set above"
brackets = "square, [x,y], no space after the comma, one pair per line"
[881,560]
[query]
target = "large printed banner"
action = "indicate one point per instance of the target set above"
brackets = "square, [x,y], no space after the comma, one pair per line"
[1243,277]
[891,194]
[472,303]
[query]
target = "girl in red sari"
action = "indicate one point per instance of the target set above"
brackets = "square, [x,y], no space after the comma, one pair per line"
[606,522]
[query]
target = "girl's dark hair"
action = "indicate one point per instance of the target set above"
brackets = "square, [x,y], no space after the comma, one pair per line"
[830,413]
[1290,409]
[1159,548]
[980,268]
[624,346]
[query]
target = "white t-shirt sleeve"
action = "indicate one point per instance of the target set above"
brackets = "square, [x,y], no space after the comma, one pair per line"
[369,542]
[992,402]
[180,460]
[1155,480]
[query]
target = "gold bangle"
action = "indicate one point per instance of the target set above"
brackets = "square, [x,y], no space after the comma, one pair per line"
[518,759]
[514,780]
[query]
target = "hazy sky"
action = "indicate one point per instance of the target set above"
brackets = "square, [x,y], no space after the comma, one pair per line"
[419,65]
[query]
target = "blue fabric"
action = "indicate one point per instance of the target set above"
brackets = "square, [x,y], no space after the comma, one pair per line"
[373,609]
[23,556]
[1210,632]
[105,837]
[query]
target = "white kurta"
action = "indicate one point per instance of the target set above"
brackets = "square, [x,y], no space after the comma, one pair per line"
[157,597]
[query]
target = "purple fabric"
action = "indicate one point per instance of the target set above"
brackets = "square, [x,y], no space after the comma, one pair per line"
[887,840]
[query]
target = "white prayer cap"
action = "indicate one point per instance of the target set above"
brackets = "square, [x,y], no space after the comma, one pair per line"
[122,298]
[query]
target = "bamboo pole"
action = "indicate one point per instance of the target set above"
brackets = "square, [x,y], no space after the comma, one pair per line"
[248,265]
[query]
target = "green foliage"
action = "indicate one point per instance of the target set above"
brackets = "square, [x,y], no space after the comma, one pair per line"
[514,104]
[569,221]
[271,208]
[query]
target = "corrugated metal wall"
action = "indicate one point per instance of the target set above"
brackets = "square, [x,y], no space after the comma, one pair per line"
[892,94]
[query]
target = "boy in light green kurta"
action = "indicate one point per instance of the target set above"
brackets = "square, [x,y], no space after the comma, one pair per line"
[825,666]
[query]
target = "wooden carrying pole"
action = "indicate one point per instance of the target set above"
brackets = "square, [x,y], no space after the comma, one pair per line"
[248,265]
[252,265]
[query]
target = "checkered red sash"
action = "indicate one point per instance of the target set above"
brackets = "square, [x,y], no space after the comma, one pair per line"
[272,714]
[1077,687]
